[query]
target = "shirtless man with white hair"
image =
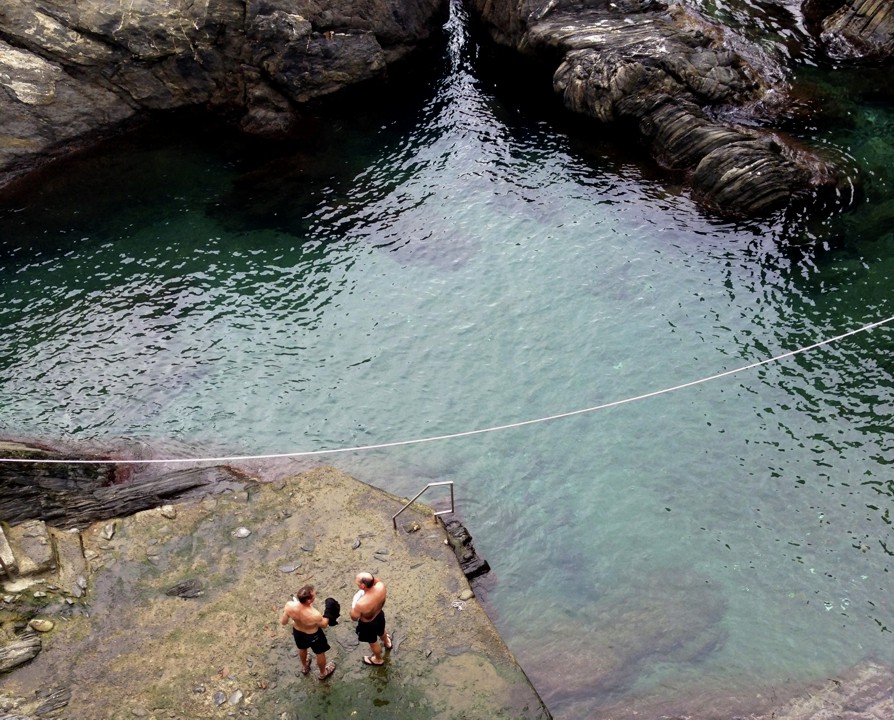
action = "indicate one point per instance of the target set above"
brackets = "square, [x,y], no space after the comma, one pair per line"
[366,609]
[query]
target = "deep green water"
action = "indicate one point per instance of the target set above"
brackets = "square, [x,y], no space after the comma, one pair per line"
[464,257]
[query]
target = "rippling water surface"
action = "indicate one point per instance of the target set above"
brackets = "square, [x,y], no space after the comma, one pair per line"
[465,258]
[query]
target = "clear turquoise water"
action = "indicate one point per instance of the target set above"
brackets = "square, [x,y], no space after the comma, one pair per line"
[464,258]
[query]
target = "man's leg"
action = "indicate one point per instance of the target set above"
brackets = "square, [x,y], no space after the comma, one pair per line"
[305,663]
[377,653]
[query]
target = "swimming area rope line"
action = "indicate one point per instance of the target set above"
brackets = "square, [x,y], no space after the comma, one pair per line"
[465,433]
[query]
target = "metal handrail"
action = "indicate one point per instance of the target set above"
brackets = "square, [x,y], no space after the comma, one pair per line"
[440,512]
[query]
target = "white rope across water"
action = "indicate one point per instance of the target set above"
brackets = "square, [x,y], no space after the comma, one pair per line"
[466,433]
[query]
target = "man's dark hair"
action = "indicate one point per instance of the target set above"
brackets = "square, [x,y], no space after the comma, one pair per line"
[305,594]
[368,582]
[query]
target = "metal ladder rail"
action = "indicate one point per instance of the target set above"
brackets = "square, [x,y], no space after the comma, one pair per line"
[430,485]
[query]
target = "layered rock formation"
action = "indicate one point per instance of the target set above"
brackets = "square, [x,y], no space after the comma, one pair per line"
[853,28]
[703,98]
[70,71]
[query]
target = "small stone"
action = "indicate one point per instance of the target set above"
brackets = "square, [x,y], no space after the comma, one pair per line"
[9,599]
[81,582]
[168,511]
[236,698]
[219,697]
[198,689]
[108,532]
[42,624]
[187,589]
[381,551]
[91,554]
[289,567]
[413,527]
[466,595]
[242,532]
[40,594]
[356,544]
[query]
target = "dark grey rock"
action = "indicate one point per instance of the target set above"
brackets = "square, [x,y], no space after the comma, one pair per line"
[71,73]
[853,29]
[187,589]
[19,651]
[680,79]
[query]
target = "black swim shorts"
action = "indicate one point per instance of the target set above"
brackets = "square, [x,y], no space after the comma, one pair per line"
[316,642]
[370,632]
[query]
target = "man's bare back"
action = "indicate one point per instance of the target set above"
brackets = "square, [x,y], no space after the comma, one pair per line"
[305,618]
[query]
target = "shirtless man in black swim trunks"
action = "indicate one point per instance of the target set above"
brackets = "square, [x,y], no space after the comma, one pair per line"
[366,609]
[307,629]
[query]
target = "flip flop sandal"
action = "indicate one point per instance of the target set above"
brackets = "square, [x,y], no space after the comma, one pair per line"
[367,660]
[330,668]
[388,644]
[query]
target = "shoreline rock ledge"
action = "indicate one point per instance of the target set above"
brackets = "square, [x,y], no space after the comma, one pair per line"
[703,98]
[71,73]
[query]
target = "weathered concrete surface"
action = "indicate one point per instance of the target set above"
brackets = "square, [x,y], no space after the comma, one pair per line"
[129,649]
[70,72]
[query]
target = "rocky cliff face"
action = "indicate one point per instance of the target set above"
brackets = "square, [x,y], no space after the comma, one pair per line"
[703,98]
[72,69]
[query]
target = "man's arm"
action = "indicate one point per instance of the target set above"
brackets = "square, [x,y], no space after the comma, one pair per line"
[322,622]
[286,616]
[363,607]
[358,596]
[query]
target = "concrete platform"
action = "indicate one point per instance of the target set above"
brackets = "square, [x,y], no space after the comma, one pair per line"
[128,649]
